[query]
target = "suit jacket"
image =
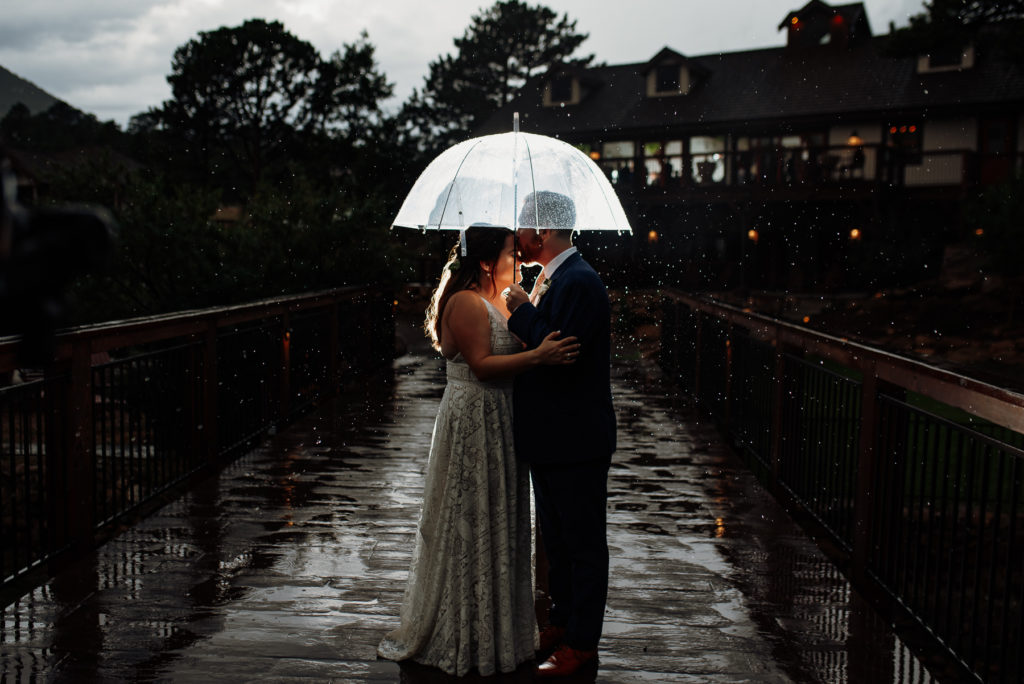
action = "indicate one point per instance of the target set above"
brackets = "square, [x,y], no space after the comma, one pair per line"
[564,414]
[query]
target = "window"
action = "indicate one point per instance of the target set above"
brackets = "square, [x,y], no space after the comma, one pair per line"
[948,56]
[667,77]
[561,89]
[617,162]
[663,163]
[707,164]
[790,159]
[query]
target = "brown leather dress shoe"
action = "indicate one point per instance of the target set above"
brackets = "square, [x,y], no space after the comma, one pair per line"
[565,661]
[550,637]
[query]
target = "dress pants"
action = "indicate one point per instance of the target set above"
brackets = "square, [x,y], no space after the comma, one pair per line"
[571,510]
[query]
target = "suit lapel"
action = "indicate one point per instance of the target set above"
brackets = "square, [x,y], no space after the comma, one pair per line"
[559,272]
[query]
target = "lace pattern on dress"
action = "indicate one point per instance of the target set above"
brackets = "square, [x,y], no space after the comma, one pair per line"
[468,601]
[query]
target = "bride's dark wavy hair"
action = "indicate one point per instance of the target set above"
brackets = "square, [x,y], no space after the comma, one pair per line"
[483,246]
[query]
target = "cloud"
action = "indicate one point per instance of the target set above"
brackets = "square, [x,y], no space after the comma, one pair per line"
[28,25]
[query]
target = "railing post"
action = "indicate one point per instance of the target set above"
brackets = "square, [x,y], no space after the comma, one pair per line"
[210,435]
[285,398]
[334,350]
[366,318]
[54,408]
[79,446]
[863,506]
[697,331]
[778,398]
[727,399]
[672,360]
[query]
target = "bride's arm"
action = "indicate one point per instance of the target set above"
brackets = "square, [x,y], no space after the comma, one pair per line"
[467,320]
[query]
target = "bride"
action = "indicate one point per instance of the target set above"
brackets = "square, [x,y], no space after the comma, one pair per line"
[469,598]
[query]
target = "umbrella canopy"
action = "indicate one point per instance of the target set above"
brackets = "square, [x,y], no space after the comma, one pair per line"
[515,180]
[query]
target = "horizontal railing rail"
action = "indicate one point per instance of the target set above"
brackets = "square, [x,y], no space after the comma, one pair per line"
[913,474]
[130,409]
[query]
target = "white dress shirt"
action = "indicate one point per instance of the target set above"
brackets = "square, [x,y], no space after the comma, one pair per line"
[553,265]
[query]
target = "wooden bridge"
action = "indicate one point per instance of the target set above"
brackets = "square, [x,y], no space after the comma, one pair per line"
[760,466]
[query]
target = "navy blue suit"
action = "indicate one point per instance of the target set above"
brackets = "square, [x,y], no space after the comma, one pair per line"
[564,428]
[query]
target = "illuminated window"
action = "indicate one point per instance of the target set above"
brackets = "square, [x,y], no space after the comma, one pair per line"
[663,163]
[617,161]
[707,158]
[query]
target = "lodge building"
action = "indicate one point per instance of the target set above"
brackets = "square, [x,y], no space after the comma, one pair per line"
[822,164]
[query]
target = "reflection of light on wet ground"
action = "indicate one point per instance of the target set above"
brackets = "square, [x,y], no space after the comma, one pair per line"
[292,564]
[762,581]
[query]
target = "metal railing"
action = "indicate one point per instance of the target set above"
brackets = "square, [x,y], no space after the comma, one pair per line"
[131,409]
[914,474]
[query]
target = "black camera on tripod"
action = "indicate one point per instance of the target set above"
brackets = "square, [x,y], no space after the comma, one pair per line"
[42,250]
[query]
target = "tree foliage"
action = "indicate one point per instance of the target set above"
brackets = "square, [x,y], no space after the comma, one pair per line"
[947,25]
[257,120]
[249,100]
[245,92]
[59,128]
[350,93]
[998,214]
[504,45]
[299,144]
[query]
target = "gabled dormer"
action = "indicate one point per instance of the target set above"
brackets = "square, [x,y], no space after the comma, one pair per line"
[669,73]
[818,23]
[566,85]
[953,58]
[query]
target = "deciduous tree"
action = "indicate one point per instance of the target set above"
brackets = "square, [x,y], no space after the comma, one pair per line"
[243,92]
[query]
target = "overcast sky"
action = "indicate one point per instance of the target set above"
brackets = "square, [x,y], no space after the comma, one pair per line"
[111,57]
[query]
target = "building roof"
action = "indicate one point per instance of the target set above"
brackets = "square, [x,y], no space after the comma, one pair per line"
[767,87]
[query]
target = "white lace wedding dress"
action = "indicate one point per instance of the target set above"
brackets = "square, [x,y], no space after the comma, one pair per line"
[469,598]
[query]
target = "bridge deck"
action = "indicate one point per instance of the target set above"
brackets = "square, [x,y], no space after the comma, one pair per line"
[290,565]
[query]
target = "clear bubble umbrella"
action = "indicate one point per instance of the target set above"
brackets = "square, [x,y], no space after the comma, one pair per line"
[515,180]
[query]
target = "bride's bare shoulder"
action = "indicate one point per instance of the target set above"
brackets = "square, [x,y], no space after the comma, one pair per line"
[467,301]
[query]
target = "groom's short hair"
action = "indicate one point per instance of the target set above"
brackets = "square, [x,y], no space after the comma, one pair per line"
[547,209]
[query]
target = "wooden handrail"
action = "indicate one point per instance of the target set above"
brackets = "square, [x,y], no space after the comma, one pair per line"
[146,329]
[999,405]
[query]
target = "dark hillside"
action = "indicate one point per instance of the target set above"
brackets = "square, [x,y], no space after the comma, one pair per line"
[14,89]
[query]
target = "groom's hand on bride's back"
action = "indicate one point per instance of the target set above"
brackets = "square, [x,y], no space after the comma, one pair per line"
[515,296]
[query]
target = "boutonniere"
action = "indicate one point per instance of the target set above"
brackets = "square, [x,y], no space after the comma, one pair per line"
[543,288]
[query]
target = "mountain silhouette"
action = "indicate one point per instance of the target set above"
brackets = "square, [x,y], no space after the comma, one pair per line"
[15,89]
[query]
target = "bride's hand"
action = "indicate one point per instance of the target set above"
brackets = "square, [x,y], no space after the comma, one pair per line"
[552,352]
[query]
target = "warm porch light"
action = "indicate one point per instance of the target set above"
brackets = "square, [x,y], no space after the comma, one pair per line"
[652,236]
[752,235]
[595,155]
[979,231]
[855,234]
[854,140]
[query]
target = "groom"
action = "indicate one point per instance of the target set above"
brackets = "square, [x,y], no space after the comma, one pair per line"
[564,427]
